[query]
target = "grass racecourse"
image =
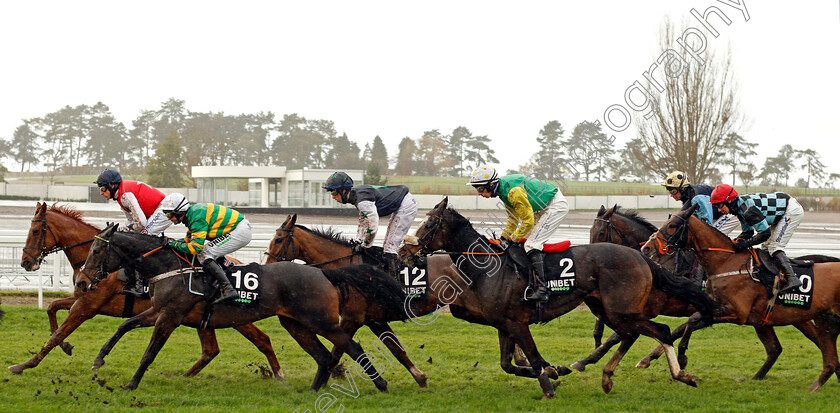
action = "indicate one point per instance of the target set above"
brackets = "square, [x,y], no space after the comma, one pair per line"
[460,359]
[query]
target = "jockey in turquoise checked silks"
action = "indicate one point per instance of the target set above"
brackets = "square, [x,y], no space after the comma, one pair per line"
[526,200]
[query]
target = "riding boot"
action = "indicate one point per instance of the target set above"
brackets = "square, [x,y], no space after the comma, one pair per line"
[227,291]
[133,285]
[538,274]
[791,280]
[392,264]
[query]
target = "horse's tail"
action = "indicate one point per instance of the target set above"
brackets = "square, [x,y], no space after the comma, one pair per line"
[682,288]
[371,283]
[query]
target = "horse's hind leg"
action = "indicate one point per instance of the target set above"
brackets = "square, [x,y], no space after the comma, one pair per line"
[522,335]
[767,336]
[809,330]
[209,351]
[168,320]
[662,334]
[145,319]
[659,350]
[338,337]
[263,343]
[506,350]
[627,340]
[387,337]
[828,328]
[599,353]
[63,304]
[309,343]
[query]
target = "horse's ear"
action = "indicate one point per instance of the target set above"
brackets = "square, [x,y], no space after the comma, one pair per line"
[694,208]
[292,220]
[442,204]
[602,211]
[610,212]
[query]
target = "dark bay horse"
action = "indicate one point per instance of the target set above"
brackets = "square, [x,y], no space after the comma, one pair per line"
[306,300]
[630,229]
[327,249]
[614,281]
[745,300]
[60,228]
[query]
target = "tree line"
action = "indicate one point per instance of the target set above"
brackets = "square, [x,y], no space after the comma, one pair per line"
[165,142]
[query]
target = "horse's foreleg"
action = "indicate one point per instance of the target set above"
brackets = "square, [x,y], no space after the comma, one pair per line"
[63,304]
[263,343]
[627,340]
[209,351]
[599,352]
[828,328]
[767,336]
[696,322]
[79,313]
[506,350]
[167,321]
[145,319]
[387,337]
[598,332]
[522,335]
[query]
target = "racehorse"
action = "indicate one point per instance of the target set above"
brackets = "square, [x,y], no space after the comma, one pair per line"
[306,300]
[745,301]
[614,281]
[60,228]
[630,229]
[325,249]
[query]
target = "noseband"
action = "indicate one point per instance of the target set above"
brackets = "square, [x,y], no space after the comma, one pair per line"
[679,239]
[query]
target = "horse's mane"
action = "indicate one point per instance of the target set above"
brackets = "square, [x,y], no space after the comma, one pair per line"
[329,234]
[71,212]
[460,221]
[636,217]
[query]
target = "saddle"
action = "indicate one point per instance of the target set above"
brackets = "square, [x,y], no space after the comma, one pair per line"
[767,268]
[517,258]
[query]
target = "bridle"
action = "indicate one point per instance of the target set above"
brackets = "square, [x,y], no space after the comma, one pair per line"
[127,261]
[42,244]
[291,246]
[428,237]
[669,245]
[610,227]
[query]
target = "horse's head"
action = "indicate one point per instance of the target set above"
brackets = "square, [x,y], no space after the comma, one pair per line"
[672,236]
[432,235]
[282,247]
[39,240]
[602,228]
[101,261]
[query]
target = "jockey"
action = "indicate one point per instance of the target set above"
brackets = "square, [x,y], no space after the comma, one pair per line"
[213,231]
[525,199]
[141,205]
[374,202]
[681,189]
[774,215]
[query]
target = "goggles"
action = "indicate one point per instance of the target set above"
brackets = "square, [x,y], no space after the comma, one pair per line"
[103,188]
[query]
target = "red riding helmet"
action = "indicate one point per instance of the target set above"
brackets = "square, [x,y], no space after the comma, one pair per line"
[723,193]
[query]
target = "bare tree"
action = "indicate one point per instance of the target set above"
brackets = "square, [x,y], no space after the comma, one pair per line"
[694,107]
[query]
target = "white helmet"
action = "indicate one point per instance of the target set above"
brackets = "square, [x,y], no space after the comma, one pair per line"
[483,175]
[175,202]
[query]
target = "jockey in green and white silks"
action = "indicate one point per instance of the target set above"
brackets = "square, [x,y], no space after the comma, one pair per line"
[534,208]
[213,231]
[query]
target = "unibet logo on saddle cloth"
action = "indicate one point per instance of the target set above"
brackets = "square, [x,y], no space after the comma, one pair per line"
[802,296]
[560,272]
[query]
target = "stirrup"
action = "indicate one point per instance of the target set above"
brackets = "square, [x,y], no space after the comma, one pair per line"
[790,285]
[231,294]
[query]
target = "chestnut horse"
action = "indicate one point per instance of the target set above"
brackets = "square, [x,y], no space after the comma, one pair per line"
[60,228]
[745,300]
[614,281]
[306,300]
[630,229]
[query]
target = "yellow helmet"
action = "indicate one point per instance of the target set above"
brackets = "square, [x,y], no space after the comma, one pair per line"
[677,179]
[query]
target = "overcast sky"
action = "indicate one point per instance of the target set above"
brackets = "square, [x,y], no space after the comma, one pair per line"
[396,69]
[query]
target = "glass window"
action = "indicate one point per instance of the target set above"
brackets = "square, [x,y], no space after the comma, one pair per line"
[295,193]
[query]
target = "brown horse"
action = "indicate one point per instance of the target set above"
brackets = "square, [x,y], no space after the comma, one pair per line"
[629,229]
[60,228]
[745,300]
[614,281]
[306,300]
[326,249]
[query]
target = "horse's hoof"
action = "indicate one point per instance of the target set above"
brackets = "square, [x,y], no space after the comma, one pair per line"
[563,370]
[128,387]
[381,384]
[578,366]
[67,348]
[97,364]
[546,386]
[689,379]
[422,381]
[606,384]
[551,373]
[643,364]
[16,369]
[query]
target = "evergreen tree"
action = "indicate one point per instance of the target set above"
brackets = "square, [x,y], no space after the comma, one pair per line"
[24,146]
[548,159]
[164,170]
[736,151]
[477,151]
[379,155]
[588,149]
[406,153]
[812,165]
